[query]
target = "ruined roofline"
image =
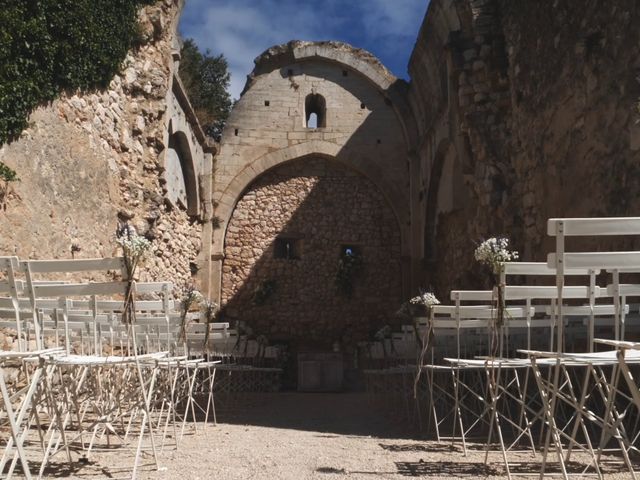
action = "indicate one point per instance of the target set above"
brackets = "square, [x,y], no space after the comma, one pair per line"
[342,53]
[208,145]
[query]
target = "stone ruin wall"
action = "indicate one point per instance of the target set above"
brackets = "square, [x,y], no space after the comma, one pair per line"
[530,106]
[325,201]
[93,157]
[575,85]
[536,104]
[323,206]
[344,183]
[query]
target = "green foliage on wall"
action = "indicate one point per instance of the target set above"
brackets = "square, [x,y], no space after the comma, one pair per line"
[206,80]
[264,291]
[349,267]
[49,46]
[7,176]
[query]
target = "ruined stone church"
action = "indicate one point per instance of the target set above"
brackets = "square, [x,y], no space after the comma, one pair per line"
[514,112]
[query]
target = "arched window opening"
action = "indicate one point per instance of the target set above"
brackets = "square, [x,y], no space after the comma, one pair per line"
[182,182]
[446,194]
[315,111]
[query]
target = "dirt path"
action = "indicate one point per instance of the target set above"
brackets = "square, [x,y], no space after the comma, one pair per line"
[293,436]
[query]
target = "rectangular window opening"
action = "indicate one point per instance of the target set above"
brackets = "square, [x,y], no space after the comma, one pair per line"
[287,248]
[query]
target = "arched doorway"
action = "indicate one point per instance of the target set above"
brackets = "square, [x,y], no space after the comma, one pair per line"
[284,243]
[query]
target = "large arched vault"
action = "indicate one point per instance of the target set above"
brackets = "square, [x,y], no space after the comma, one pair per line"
[310,100]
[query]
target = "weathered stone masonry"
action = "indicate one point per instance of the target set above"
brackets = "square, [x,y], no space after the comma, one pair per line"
[533,106]
[131,152]
[322,207]
[516,111]
[361,129]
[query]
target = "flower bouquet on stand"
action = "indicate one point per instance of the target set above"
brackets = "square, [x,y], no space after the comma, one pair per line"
[493,253]
[135,249]
[423,304]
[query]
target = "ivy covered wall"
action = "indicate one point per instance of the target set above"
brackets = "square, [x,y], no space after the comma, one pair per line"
[50,46]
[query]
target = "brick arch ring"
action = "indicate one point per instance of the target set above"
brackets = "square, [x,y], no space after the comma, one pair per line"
[234,190]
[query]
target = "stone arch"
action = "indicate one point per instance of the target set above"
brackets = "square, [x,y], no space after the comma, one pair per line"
[234,190]
[182,179]
[444,194]
[349,58]
[366,129]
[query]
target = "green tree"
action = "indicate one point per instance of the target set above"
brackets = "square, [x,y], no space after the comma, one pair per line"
[206,79]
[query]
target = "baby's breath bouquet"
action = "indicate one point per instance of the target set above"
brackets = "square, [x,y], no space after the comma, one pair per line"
[424,302]
[493,253]
[418,306]
[426,299]
[135,248]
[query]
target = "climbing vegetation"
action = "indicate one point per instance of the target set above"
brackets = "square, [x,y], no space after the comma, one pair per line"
[50,46]
[349,268]
[7,177]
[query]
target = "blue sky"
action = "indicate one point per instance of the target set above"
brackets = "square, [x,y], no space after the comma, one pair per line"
[242,29]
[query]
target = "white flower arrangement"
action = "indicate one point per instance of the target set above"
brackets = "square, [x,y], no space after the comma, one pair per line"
[418,305]
[427,299]
[134,247]
[494,252]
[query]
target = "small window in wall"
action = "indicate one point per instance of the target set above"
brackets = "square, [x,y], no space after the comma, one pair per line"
[287,248]
[315,111]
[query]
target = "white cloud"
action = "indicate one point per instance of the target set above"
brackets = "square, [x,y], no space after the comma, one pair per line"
[242,29]
[391,18]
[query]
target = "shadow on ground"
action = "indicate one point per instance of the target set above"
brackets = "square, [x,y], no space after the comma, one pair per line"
[326,413]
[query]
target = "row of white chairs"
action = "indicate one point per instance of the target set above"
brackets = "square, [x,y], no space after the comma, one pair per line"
[492,384]
[86,314]
[80,377]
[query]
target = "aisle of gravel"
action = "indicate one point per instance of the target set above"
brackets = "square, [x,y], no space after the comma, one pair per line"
[303,436]
[293,436]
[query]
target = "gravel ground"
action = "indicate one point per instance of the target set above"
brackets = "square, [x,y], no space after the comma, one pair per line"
[302,436]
